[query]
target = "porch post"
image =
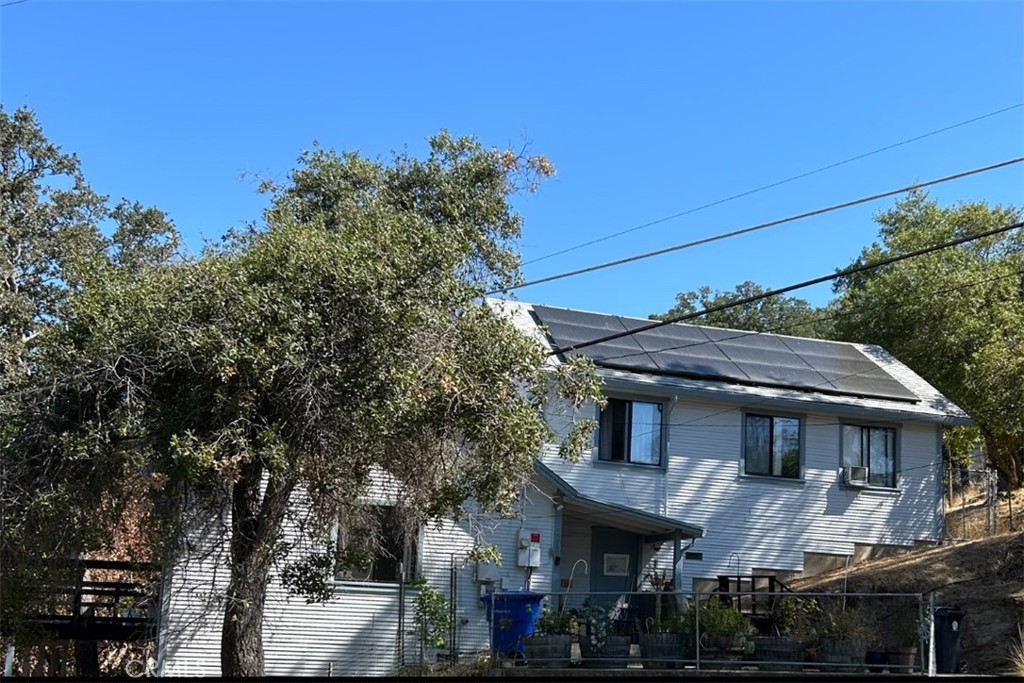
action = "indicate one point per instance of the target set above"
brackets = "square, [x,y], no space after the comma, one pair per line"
[9,659]
[677,555]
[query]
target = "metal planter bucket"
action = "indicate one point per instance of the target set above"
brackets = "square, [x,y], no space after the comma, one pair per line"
[660,650]
[612,655]
[552,651]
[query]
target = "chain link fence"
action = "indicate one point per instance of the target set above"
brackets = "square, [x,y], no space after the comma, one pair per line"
[971,503]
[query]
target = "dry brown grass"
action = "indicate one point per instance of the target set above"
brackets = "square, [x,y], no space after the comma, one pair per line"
[1017,654]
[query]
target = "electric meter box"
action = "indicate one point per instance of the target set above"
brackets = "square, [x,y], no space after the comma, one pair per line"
[529,549]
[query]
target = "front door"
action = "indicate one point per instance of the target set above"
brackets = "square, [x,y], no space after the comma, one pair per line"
[613,561]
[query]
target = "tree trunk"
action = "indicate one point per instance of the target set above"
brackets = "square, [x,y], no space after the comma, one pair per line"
[255,527]
[1003,455]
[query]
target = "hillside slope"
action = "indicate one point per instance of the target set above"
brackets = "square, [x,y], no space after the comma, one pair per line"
[983,577]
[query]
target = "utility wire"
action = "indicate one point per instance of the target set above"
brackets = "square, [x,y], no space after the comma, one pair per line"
[755,228]
[771,185]
[819,319]
[800,285]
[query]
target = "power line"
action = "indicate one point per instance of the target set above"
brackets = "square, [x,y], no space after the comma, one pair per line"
[824,318]
[784,290]
[771,185]
[755,228]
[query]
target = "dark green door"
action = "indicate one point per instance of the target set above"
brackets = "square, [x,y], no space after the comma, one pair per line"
[613,562]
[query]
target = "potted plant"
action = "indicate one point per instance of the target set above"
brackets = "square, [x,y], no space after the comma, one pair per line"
[875,657]
[433,619]
[551,642]
[906,636]
[845,630]
[724,630]
[599,644]
[793,621]
[659,642]
[684,625]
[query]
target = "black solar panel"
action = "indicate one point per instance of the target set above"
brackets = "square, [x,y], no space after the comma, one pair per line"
[728,355]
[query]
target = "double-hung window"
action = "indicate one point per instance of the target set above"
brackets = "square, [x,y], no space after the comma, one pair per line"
[630,431]
[373,548]
[771,446]
[873,448]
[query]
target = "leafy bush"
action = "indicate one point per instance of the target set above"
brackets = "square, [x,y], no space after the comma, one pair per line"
[555,623]
[600,622]
[719,620]
[795,617]
[849,622]
[433,615]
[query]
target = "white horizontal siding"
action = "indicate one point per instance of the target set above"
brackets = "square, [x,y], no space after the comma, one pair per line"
[356,632]
[768,524]
[447,544]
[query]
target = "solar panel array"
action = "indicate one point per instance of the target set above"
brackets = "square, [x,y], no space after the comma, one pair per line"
[729,355]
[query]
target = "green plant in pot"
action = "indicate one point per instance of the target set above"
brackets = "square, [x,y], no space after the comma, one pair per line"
[433,619]
[905,637]
[550,644]
[793,620]
[724,630]
[844,632]
[684,624]
[600,646]
[659,639]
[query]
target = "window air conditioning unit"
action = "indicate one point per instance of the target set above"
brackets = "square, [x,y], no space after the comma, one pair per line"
[855,476]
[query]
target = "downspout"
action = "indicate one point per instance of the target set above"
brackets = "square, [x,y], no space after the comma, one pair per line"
[677,571]
[668,443]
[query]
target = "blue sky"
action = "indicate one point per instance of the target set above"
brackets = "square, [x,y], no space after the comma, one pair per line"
[646,110]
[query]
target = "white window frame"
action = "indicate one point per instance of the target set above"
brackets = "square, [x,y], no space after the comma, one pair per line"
[600,443]
[410,556]
[865,457]
[802,438]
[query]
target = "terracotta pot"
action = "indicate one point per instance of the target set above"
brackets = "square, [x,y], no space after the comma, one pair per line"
[903,658]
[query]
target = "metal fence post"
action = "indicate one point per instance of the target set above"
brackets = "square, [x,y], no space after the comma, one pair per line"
[696,601]
[931,635]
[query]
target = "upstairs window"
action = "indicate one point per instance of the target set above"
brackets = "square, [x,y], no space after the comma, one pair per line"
[873,448]
[630,431]
[771,446]
[373,549]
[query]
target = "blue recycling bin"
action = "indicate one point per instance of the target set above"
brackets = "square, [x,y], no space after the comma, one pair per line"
[513,616]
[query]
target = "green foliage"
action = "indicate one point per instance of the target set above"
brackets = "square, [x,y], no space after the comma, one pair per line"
[839,621]
[954,316]
[683,623]
[719,620]
[345,338]
[599,621]
[779,314]
[484,554]
[553,622]
[905,627]
[67,476]
[432,614]
[658,582]
[312,576]
[796,617]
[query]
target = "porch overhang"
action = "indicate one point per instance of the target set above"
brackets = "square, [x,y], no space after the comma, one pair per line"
[653,527]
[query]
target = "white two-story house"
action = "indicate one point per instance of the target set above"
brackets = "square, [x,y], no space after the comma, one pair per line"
[718,452]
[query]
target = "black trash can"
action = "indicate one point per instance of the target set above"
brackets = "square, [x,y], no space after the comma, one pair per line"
[949,623]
